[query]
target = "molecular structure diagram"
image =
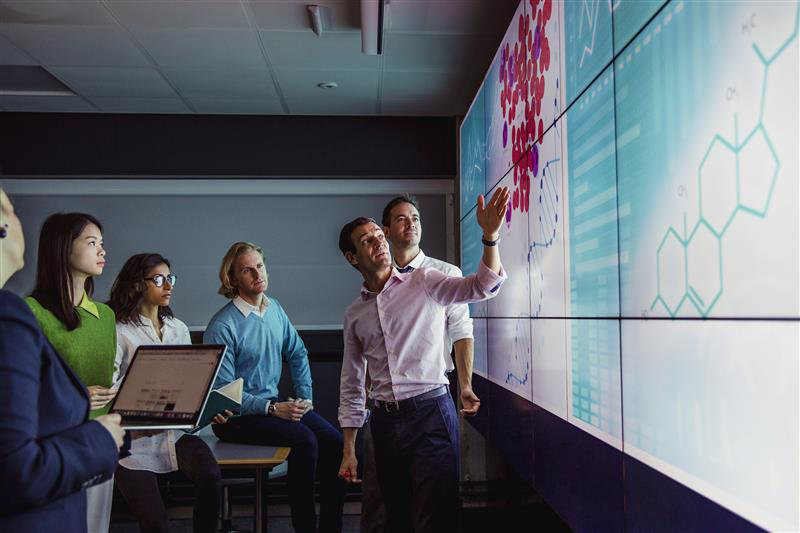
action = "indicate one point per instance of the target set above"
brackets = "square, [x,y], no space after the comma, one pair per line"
[723,159]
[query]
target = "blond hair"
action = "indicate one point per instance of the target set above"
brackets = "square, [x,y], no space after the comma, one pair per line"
[227,288]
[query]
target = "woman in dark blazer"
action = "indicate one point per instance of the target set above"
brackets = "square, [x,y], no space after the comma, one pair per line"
[49,450]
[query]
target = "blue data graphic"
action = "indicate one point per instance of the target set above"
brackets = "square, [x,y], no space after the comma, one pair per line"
[705,229]
[588,44]
[471,253]
[652,242]
[593,252]
[629,17]
[473,154]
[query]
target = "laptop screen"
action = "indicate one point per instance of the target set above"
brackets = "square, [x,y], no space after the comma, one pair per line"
[168,383]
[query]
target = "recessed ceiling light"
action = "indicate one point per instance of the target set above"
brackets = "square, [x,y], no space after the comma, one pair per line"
[328,85]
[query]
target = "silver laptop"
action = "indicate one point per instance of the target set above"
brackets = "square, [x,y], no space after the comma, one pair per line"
[166,387]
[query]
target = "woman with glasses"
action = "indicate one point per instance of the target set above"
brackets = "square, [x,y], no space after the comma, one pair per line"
[81,330]
[140,298]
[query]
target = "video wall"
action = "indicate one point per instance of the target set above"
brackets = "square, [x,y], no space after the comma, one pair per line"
[652,241]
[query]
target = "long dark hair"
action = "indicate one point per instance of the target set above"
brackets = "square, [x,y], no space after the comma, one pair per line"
[53,288]
[127,292]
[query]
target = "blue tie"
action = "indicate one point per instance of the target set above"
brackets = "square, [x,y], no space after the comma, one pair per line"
[403,270]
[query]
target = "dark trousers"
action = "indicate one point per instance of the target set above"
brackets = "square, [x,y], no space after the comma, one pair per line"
[417,460]
[316,447]
[373,512]
[140,489]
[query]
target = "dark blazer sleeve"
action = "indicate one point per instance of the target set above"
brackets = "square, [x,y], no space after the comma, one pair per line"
[34,468]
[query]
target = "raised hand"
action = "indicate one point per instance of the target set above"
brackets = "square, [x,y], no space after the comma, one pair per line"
[490,216]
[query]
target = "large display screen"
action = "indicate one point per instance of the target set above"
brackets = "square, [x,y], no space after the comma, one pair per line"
[652,241]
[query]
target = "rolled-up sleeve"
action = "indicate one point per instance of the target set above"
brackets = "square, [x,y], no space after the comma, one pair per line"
[352,395]
[459,323]
[447,290]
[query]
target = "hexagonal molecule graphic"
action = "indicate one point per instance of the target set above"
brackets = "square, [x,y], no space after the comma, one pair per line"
[758,170]
[717,179]
[704,268]
[671,268]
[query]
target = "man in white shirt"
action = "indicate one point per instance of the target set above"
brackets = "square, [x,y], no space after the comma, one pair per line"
[395,332]
[402,225]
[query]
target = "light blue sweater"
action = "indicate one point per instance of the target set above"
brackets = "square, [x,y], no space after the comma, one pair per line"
[255,348]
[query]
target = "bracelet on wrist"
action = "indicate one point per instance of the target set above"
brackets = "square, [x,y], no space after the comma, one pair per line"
[490,243]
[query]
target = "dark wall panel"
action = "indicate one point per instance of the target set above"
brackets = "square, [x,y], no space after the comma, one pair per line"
[656,503]
[224,145]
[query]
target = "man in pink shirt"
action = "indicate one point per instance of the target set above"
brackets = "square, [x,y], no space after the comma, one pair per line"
[395,330]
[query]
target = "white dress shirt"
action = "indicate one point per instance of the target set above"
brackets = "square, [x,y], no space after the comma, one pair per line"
[459,324]
[153,451]
[246,307]
[398,335]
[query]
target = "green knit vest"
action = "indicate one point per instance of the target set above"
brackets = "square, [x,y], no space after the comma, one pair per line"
[89,349]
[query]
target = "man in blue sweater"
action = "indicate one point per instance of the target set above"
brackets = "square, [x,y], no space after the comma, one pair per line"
[259,336]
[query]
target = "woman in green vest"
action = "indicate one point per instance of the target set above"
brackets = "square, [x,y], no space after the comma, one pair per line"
[81,330]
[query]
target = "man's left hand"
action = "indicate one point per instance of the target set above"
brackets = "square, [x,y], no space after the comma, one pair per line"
[470,403]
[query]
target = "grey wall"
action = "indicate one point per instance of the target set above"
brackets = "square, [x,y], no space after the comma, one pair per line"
[299,235]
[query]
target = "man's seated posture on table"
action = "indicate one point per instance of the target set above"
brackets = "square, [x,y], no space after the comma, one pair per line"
[259,336]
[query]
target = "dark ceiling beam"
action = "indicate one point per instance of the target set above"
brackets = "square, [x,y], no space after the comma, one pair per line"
[80,145]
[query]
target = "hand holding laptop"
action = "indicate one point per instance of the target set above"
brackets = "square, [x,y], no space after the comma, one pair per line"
[100,396]
[111,423]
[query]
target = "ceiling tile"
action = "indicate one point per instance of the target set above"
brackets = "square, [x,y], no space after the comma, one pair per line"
[75,45]
[222,83]
[325,106]
[46,104]
[434,52]
[237,106]
[421,84]
[344,15]
[301,83]
[160,15]
[11,55]
[56,13]
[110,81]
[307,50]
[199,48]
[451,16]
[140,105]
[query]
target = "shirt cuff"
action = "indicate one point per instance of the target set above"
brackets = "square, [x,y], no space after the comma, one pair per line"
[353,420]
[488,279]
[304,392]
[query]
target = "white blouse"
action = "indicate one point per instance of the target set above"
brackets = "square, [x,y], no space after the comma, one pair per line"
[150,450]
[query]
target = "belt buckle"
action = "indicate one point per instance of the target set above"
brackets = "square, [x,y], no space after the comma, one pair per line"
[387,406]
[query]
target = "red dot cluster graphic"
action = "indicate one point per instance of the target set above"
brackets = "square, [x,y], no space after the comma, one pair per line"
[522,81]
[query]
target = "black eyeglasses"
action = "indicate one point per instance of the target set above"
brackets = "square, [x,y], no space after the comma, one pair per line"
[159,279]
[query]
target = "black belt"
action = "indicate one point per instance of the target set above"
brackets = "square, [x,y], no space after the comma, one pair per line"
[409,403]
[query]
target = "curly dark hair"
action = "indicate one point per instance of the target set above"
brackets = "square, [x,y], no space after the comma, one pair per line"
[128,289]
